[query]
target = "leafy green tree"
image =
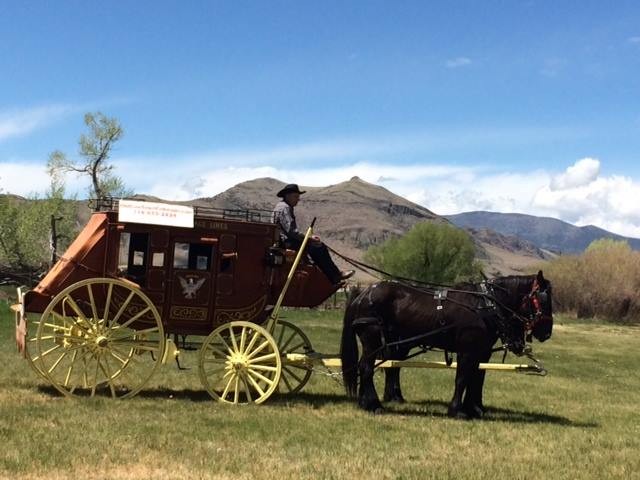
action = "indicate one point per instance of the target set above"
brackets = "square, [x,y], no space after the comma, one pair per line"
[95,150]
[10,252]
[25,228]
[429,252]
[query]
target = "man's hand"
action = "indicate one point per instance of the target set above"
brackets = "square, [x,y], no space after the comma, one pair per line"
[315,239]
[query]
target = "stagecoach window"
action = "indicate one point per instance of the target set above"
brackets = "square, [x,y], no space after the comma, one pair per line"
[181,255]
[158,259]
[123,251]
[132,256]
[192,256]
[138,258]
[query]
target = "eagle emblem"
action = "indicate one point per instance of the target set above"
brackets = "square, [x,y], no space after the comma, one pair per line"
[190,286]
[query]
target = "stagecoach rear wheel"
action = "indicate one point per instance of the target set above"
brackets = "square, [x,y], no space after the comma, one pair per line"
[30,346]
[26,333]
[291,339]
[240,363]
[30,355]
[100,336]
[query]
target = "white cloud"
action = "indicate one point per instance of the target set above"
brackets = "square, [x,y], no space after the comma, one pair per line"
[580,194]
[609,202]
[22,178]
[183,184]
[581,173]
[458,62]
[634,40]
[18,122]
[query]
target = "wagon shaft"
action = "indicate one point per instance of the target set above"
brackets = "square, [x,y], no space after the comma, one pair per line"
[329,361]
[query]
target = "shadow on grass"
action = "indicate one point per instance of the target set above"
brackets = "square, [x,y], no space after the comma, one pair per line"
[158,393]
[438,408]
[431,408]
[426,408]
[315,400]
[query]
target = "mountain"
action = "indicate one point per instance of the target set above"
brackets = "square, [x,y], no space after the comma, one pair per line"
[547,233]
[353,215]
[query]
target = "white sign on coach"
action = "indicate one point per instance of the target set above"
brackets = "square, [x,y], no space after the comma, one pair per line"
[155,213]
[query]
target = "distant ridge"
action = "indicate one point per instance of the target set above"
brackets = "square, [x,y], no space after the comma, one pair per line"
[545,232]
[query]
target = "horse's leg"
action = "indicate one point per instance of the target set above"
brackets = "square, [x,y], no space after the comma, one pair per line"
[473,399]
[467,366]
[392,389]
[371,343]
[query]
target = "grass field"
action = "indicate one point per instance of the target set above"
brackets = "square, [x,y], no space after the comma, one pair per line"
[581,421]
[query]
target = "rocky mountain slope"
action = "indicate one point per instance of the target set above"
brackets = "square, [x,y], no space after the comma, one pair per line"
[547,233]
[353,215]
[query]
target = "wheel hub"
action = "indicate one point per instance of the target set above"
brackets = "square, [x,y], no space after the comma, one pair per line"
[239,363]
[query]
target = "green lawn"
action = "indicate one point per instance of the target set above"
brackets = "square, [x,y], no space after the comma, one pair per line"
[581,421]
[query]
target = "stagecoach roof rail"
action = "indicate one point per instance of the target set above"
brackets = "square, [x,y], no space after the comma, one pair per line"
[110,204]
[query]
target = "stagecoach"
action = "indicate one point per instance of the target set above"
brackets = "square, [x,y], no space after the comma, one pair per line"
[143,280]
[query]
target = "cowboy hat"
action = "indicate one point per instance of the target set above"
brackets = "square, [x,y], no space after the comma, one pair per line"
[291,188]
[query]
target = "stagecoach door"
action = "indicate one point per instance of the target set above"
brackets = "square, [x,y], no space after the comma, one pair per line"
[192,282]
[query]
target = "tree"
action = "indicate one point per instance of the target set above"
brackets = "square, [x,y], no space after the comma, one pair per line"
[429,252]
[25,228]
[95,149]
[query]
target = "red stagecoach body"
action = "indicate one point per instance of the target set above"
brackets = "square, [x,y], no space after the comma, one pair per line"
[223,269]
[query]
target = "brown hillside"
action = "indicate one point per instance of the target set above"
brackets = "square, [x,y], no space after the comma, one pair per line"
[353,215]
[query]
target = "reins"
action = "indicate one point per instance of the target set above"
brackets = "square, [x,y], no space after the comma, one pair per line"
[416,285]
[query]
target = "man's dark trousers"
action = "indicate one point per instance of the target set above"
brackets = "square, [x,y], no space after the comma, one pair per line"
[320,255]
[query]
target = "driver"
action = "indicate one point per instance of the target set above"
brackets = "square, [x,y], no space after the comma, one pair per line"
[290,237]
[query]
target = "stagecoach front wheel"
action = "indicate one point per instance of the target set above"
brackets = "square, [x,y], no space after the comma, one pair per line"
[99,336]
[240,363]
[291,339]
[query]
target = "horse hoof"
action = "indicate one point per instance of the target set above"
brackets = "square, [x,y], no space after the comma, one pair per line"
[397,399]
[455,413]
[473,411]
[372,407]
[476,413]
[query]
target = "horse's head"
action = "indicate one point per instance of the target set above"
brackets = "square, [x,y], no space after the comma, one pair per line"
[529,296]
[536,306]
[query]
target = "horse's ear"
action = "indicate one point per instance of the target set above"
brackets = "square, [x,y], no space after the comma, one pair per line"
[540,277]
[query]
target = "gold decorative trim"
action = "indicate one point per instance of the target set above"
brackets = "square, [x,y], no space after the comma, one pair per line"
[188,313]
[247,314]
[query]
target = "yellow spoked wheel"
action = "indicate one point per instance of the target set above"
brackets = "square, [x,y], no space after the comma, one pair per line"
[291,339]
[25,332]
[240,363]
[30,351]
[99,336]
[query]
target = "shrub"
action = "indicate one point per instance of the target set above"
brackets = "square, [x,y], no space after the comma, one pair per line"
[429,252]
[604,281]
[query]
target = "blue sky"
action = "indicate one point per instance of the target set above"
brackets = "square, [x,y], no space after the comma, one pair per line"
[510,106]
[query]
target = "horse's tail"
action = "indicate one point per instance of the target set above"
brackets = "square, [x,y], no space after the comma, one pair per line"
[349,346]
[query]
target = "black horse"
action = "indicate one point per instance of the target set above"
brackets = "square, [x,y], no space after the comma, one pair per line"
[391,318]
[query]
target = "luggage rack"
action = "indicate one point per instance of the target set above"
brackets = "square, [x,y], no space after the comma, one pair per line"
[110,204]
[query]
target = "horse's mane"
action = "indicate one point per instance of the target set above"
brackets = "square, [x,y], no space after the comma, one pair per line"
[514,282]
